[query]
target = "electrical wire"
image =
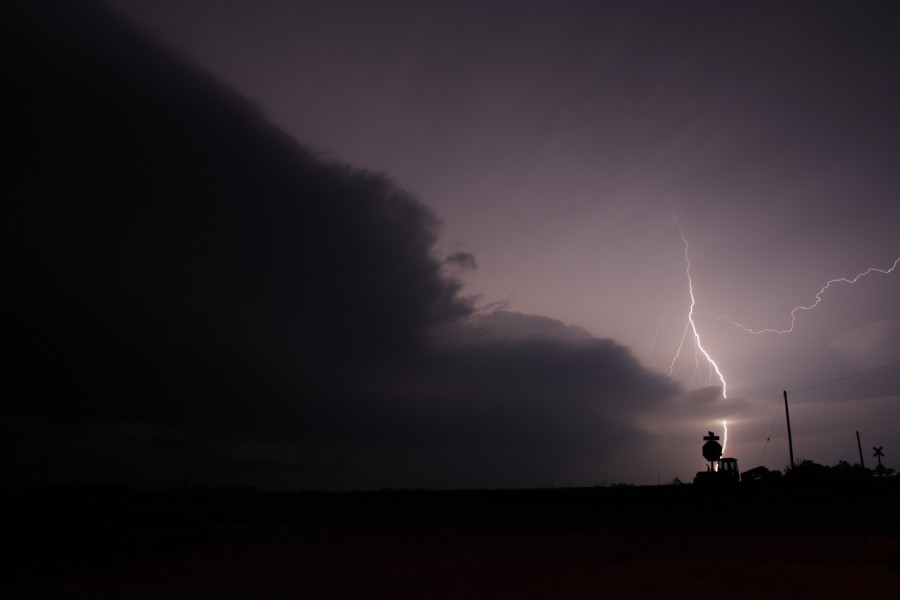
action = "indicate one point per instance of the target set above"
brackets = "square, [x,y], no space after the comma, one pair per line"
[830,381]
[817,385]
[896,362]
[879,426]
[769,437]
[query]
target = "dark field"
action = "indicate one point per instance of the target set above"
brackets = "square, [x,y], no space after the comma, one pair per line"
[653,542]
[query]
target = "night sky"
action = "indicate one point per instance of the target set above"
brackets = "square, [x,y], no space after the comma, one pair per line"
[354,244]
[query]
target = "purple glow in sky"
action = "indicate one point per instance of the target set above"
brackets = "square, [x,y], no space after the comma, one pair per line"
[555,140]
[551,139]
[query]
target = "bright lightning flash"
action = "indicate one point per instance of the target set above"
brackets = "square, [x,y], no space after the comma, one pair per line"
[811,306]
[725,437]
[690,325]
[698,345]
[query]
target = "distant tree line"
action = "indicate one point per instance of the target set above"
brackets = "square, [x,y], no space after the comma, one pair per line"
[843,471]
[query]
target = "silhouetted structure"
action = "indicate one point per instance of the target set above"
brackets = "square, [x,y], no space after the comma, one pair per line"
[862,463]
[878,454]
[721,471]
[756,475]
[712,450]
[787,415]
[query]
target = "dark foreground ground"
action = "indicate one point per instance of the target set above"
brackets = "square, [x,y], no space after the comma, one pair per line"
[662,542]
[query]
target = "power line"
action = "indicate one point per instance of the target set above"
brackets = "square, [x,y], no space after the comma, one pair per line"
[896,362]
[830,381]
[769,437]
[879,426]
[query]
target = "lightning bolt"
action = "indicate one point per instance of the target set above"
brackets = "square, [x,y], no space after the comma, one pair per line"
[691,326]
[811,306]
[725,437]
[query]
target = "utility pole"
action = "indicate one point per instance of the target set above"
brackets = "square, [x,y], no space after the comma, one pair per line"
[862,463]
[790,437]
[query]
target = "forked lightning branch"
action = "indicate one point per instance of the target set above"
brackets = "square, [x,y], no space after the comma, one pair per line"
[691,326]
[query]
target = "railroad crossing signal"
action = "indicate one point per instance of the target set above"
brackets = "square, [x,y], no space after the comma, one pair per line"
[712,450]
[878,454]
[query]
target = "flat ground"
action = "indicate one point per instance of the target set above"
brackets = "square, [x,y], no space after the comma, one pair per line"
[669,542]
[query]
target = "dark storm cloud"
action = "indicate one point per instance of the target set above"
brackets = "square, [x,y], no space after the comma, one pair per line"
[464,260]
[189,285]
[500,324]
[149,203]
[488,411]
